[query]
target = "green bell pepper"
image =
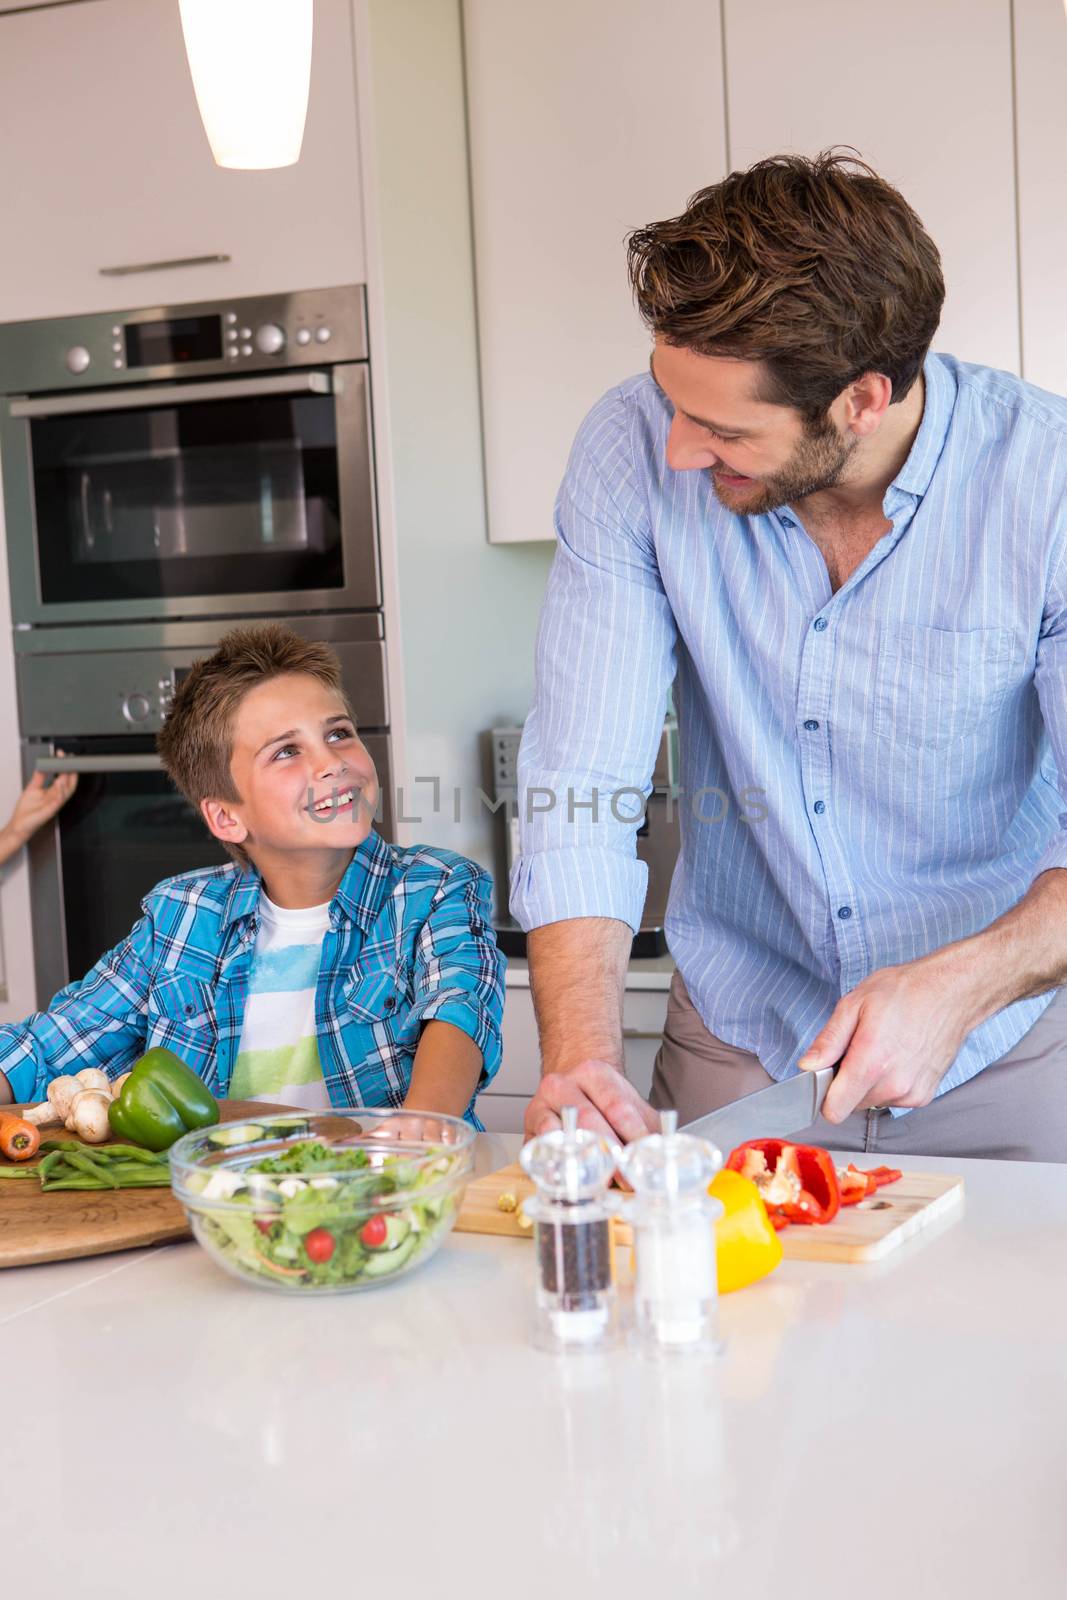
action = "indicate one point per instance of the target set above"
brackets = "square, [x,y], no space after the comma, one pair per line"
[161,1099]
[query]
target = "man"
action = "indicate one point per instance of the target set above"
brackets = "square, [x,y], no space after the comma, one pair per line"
[849,555]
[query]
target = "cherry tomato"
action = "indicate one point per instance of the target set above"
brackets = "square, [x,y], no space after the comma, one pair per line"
[319,1245]
[374,1233]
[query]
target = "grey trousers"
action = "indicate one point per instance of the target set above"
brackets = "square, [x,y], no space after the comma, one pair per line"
[1015,1110]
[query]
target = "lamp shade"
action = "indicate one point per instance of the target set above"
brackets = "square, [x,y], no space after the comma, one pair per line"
[251,66]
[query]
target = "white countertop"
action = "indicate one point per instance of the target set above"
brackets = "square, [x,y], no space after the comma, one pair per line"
[870,1432]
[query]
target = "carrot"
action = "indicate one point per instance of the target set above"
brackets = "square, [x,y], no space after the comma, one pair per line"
[19,1140]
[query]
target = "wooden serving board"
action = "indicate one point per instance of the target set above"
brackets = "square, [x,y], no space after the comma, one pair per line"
[864,1232]
[36,1226]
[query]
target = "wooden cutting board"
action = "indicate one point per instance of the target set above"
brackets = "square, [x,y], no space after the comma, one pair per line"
[864,1232]
[35,1226]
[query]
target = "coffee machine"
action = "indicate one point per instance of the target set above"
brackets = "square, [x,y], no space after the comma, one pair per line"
[657,838]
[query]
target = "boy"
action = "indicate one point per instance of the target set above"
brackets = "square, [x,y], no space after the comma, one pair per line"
[325,967]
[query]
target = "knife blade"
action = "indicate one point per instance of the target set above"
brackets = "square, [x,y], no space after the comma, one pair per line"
[770,1113]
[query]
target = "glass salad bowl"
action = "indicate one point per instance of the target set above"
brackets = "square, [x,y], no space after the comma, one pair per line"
[320,1202]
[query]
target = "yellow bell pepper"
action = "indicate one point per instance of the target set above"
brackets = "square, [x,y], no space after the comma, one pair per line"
[746,1245]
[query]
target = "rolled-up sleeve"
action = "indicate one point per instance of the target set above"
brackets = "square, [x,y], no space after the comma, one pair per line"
[100,1021]
[459,970]
[605,660]
[1050,679]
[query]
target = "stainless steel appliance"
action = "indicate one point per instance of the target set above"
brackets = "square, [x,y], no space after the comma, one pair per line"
[200,460]
[167,472]
[658,838]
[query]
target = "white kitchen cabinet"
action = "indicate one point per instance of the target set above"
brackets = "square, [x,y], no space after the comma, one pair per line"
[923,90]
[585,121]
[1041,113]
[502,1108]
[104,163]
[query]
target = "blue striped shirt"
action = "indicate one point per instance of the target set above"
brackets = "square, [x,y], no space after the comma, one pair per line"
[865,776]
[409,941]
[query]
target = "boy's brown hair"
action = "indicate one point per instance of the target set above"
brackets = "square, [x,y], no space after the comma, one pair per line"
[195,742]
[817,267]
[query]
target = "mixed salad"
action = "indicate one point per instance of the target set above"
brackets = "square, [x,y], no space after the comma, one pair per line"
[321,1216]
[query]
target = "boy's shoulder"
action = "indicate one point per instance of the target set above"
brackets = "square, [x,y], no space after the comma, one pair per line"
[208,891]
[428,863]
[415,879]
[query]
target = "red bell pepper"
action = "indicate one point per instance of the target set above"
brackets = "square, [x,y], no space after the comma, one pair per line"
[798,1182]
[856,1185]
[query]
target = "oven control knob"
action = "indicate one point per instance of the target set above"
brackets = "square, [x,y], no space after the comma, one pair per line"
[270,339]
[78,358]
[136,707]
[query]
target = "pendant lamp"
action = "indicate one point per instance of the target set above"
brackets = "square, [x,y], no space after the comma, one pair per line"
[251,66]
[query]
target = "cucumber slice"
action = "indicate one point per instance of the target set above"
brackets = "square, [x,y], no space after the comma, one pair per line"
[396,1231]
[281,1127]
[382,1262]
[239,1133]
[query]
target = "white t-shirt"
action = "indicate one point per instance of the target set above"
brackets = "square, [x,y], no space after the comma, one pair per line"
[278,1057]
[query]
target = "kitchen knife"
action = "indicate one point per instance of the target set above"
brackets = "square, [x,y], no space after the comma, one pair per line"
[770,1113]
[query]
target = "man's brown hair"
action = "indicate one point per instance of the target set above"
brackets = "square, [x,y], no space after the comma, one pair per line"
[195,742]
[817,267]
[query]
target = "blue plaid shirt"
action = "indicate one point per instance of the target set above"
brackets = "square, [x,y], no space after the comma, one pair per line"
[409,942]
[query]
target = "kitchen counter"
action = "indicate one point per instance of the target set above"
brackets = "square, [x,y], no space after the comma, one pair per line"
[885,1431]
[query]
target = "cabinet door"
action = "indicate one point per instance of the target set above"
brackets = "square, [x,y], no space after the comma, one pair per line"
[924,92]
[104,162]
[1041,112]
[585,121]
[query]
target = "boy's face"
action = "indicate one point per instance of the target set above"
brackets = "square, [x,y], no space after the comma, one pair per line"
[305,780]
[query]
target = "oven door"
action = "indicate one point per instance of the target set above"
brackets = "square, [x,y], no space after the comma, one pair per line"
[244,495]
[123,830]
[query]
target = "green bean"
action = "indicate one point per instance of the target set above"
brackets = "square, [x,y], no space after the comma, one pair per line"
[85,1163]
[133,1152]
[18,1172]
[81,1182]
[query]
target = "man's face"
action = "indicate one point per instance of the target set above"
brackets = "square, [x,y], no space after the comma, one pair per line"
[305,780]
[759,456]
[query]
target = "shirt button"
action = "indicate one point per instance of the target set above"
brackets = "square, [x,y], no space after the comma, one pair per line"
[390,1003]
[811,725]
[844,912]
[820,624]
[787,522]
[819,807]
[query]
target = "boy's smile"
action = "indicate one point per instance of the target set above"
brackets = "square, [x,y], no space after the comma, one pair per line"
[305,780]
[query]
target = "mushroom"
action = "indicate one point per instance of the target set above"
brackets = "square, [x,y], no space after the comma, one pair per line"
[88,1115]
[93,1078]
[61,1092]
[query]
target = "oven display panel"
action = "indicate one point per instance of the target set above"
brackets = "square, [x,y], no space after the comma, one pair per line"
[164,344]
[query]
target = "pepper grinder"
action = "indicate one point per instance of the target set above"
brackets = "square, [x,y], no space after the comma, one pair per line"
[572,1210]
[673,1217]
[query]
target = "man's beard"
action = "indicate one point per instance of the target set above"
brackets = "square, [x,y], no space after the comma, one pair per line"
[817,463]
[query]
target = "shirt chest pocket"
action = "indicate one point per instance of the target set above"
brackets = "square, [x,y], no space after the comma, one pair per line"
[181,1008]
[376,997]
[936,686]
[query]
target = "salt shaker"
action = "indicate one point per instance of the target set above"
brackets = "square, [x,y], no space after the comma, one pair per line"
[673,1217]
[572,1210]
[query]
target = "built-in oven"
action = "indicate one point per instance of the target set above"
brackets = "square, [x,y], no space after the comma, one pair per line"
[93,710]
[191,461]
[168,471]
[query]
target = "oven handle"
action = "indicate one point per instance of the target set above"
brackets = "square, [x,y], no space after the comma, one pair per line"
[59,405]
[143,763]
